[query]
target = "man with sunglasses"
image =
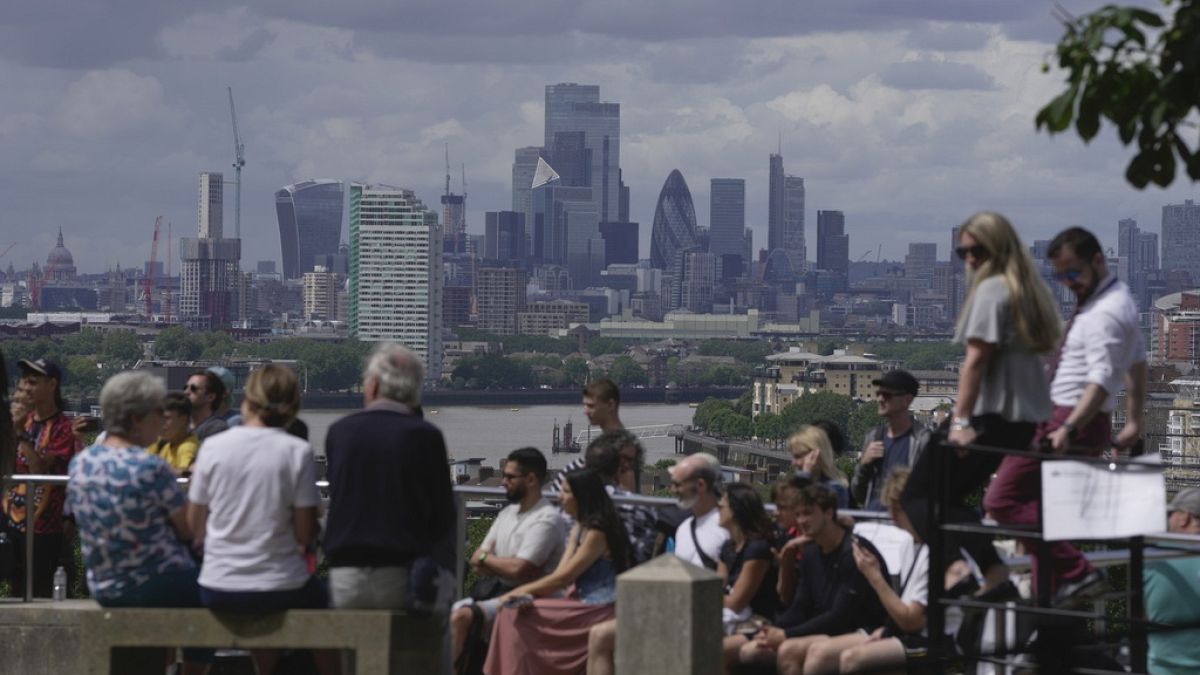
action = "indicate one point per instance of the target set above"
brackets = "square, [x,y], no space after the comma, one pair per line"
[205,391]
[1102,350]
[895,443]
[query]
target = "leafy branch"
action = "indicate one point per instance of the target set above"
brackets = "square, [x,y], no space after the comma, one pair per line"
[1130,67]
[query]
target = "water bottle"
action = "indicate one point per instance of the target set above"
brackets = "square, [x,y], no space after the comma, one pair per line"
[60,584]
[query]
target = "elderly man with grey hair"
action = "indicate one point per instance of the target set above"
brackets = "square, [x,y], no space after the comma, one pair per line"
[391,507]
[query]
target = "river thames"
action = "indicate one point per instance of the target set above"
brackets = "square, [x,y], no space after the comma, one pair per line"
[491,432]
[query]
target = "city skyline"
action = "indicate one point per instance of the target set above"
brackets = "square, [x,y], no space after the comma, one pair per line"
[905,119]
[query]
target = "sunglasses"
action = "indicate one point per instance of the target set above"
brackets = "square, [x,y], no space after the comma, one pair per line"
[976,251]
[887,395]
[192,387]
[1068,275]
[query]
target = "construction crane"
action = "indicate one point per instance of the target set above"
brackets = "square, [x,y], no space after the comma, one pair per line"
[863,256]
[239,154]
[168,292]
[148,279]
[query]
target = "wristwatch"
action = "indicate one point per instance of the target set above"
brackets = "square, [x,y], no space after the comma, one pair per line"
[960,423]
[1068,426]
[483,557]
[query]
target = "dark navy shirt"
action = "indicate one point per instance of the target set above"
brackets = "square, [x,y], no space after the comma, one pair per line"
[895,453]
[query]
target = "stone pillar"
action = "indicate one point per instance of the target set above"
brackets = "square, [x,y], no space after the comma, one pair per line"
[669,619]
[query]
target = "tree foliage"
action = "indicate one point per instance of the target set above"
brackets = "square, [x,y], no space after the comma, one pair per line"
[1128,66]
[492,371]
[625,371]
[751,352]
[864,418]
[820,405]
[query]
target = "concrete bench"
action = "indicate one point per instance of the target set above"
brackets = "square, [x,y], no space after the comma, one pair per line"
[384,643]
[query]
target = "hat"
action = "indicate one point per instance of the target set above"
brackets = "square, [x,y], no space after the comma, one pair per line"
[41,367]
[1187,501]
[898,380]
[226,379]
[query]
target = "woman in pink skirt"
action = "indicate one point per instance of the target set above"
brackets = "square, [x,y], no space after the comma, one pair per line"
[534,633]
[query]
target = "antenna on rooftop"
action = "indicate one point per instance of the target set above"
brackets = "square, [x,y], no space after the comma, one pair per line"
[447,169]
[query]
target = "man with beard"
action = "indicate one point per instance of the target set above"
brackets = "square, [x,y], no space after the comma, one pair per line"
[696,484]
[524,543]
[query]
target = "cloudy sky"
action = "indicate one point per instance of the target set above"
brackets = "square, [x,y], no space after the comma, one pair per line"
[906,114]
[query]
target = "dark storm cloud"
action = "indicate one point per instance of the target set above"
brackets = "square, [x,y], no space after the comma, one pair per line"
[936,75]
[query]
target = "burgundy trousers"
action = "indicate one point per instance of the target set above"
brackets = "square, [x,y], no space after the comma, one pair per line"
[1015,493]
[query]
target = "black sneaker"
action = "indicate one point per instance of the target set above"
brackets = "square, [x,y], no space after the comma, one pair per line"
[1000,593]
[1073,594]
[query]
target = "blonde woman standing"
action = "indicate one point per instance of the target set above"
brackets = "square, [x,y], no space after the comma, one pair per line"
[812,457]
[1008,322]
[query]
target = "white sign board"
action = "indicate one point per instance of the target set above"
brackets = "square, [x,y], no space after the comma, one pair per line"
[1083,500]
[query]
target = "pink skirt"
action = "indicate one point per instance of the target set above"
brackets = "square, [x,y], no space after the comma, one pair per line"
[549,637]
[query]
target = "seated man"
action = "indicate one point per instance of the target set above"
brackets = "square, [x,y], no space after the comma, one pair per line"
[524,543]
[176,445]
[832,597]
[1172,590]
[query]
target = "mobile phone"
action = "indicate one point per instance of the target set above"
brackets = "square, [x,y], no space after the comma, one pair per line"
[90,424]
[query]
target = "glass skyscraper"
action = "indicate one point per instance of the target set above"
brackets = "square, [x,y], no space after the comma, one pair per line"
[310,224]
[727,225]
[577,107]
[673,233]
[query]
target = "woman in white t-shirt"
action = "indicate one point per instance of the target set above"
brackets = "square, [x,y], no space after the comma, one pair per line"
[254,496]
[890,645]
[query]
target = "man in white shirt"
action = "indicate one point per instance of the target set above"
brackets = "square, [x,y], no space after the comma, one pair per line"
[524,543]
[1102,350]
[696,484]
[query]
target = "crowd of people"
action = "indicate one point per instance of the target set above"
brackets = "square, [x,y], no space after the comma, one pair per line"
[804,590]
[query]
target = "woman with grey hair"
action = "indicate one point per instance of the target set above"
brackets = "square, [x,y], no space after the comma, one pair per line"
[129,508]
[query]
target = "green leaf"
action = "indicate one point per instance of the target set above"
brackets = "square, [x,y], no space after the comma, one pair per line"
[1057,115]
[1087,122]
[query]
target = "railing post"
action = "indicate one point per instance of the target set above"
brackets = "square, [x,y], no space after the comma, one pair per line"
[30,526]
[460,541]
[937,613]
[1137,605]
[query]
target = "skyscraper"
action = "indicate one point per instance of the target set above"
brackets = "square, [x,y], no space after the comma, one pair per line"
[310,224]
[211,210]
[1181,238]
[673,233]
[504,237]
[525,161]
[1127,234]
[396,271]
[833,244]
[727,225]
[785,214]
[577,108]
[210,278]
[620,243]
[920,261]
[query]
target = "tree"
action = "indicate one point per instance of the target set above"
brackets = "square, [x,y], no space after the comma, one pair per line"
[821,405]
[575,371]
[769,427]
[601,346]
[706,411]
[178,343]
[864,418]
[121,347]
[625,371]
[1128,66]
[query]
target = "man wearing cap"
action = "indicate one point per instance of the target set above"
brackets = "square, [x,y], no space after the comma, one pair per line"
[896,442]
[45,445]
[1101,352]
[1172,592]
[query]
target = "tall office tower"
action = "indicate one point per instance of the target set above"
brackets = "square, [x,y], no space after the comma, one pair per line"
[504,237]
[396,271]
[570,157]
[696,286]
[1145,253]
[321,287]
[793,219]
[576,107]
[727,226]
[785,214]
[623,204]
[1181,239]
[454,216]
[210,213]
[525,161]
[833,244]
[1127,233]
[920,261]
[566,227]
[310,224]
[209,279]
[620,243]
[673,233]
[500,295]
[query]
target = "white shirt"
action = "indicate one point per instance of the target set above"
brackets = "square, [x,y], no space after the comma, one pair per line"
[1104,342]
[251,478]
[536,535]
[709,534]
